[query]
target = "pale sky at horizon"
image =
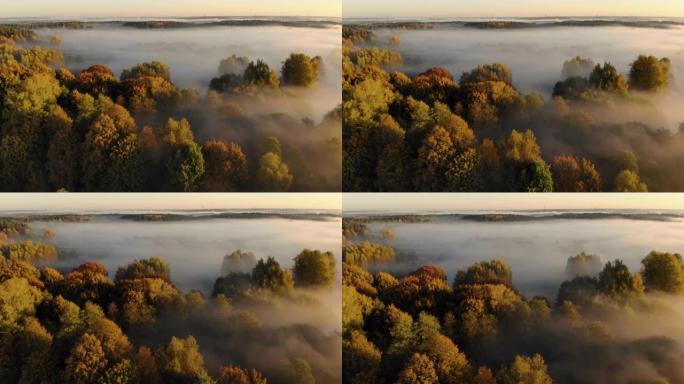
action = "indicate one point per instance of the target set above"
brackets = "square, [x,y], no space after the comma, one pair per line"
[48,202]
[169,8]
[405,202]
[508,8]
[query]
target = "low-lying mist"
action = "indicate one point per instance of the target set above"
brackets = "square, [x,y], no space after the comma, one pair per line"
[536,55]
[193,54]
[537,251]
[194,248]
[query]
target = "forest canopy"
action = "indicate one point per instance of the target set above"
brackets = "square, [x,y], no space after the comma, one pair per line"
[87,129]
[432,130]
[83,325]
[479,329]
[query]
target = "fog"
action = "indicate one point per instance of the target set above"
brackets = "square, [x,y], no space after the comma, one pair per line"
[536,55]
[193,54]
[194,248]
[537,251]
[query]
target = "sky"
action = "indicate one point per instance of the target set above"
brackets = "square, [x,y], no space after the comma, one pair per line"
[168,8]
[449,202]
[75,202]
[509,8]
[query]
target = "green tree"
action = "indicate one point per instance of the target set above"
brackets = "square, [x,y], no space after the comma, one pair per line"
[259,74]
[528,370]
[607,78]
[18,301]
[616,281]
[663,272]
[273,174]
[301,70]
[450,364]
[360,359]
[181,362]
[649,73]
[486,272]
[355,306]
[14,157]
[628,181]
[185,167]
[145,268]
[529,172]
[314,268]
[268,274]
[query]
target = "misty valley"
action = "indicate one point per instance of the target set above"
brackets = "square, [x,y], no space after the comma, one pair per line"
[563,105]
[219,297]
[513,297]
[189,104]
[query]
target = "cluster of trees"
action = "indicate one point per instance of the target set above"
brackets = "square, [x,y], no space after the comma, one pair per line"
[434,132]
[366,253]
[266,279]
[85,327]
[481,330]
[94,131]
[237,74]
[583,79]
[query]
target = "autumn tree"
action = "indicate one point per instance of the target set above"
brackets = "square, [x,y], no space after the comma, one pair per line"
[225,167]
[111,159]
[529,370]
[573,174]
[273,174]
[361,359]
[181,362]
[233,374]
[419,369]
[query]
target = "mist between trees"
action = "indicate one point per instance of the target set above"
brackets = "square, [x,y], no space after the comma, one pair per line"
[604,324]
[261,323]
[87,129]
[411,127]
